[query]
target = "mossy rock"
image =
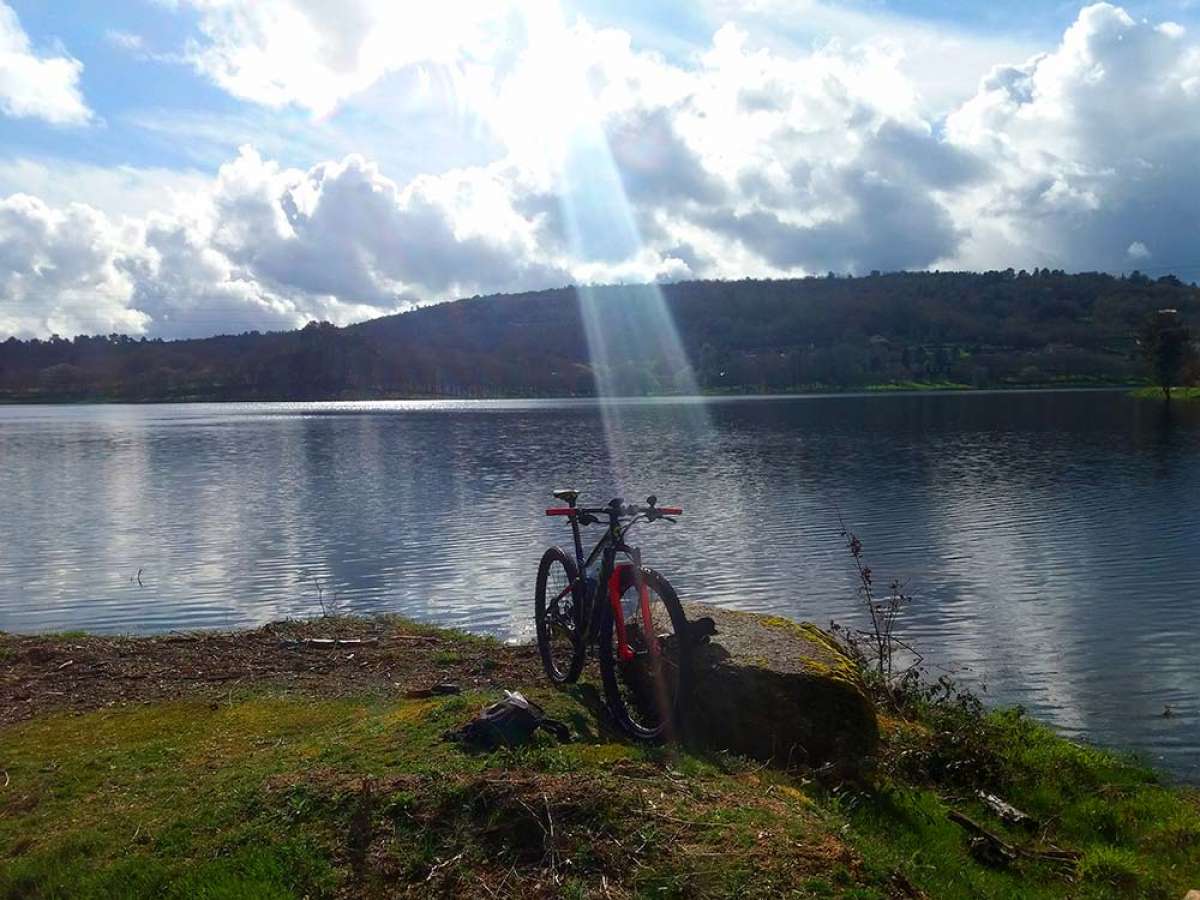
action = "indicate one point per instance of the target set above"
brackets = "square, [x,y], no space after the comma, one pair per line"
[778,691]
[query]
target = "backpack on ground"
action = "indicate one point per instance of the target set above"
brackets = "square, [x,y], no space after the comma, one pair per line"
[508,723]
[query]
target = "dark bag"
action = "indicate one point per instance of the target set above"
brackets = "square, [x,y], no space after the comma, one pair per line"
[507,723]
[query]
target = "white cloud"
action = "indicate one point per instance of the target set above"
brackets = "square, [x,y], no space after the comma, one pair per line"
[265,247]
[344,229]
[748,161]
[939,62]
[33,86]
[60,271]
[125,40]
[1091,145]
[315,53]
[117,190]
[618,164]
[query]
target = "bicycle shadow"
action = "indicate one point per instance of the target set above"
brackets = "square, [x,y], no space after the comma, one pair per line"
[600,728]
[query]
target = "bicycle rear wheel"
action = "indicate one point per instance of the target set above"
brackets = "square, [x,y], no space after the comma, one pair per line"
[645,694]
[558,616]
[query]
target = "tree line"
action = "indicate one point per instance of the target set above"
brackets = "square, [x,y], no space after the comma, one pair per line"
[990,329]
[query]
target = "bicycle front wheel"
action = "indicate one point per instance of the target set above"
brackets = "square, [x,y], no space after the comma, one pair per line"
[645,692]
[559,618]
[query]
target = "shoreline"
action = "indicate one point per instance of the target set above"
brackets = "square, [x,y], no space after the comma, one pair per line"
[256,640]
[906,389]
[247,758]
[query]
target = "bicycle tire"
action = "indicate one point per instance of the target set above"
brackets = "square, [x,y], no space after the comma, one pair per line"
[552,661]
[670,711]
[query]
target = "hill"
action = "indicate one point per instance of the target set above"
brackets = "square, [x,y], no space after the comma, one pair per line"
[978,329]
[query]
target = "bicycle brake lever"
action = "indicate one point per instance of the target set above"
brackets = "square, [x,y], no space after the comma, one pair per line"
[668,518]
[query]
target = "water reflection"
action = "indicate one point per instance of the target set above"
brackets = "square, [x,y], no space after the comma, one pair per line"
[1049,539]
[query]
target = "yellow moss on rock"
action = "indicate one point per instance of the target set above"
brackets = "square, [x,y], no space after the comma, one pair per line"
[780,690]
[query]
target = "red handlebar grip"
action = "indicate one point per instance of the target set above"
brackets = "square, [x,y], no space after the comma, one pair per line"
[560,511]
[671,510]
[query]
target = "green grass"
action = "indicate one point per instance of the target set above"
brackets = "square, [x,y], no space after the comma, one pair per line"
[270,794]
[919,386]
[1136,835]
[264,796]
[1177,393]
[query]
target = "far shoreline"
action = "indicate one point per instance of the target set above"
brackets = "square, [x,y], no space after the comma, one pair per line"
[907,389]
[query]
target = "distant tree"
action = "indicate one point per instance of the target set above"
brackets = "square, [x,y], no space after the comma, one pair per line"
[992,328]
[1165,342]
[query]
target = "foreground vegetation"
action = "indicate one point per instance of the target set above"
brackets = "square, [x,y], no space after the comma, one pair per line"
[338,784]
[987,329]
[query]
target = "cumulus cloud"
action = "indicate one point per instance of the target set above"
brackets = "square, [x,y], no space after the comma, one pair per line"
[620,164]
[266,247]
[118,190]
[33,86]
[315,53]
[1093,147]
[828,158]
[343,228]
[61,272]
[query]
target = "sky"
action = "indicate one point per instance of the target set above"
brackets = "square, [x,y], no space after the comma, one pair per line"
[181,168]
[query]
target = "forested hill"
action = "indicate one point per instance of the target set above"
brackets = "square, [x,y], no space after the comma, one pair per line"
[987,329]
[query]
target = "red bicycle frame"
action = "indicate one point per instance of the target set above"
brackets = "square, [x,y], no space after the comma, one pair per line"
[614,597]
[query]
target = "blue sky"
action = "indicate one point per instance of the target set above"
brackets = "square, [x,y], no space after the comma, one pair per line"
[136,93]
[181,167]
[127,89]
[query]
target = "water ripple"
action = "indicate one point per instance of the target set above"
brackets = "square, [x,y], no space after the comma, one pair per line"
[1049,540]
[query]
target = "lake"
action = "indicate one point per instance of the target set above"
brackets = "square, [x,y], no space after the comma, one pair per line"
[1050,540]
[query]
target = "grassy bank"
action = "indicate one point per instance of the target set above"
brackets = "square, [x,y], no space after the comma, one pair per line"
[268,765]
[1178,393]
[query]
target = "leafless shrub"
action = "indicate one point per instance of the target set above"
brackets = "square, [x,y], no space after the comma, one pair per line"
[329,605]
[876,647]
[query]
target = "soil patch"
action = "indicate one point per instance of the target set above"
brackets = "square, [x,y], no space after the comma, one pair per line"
[331,657]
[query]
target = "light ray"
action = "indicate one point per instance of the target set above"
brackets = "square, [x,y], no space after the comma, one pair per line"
[633,343]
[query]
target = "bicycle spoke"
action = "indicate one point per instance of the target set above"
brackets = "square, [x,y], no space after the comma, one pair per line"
[557,625]
[648,683]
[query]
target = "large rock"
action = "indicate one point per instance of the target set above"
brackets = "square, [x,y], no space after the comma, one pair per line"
[779,691]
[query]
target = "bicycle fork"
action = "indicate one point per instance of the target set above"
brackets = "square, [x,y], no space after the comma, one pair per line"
[624,651]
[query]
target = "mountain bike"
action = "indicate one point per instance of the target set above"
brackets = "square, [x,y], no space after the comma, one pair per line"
[629,612]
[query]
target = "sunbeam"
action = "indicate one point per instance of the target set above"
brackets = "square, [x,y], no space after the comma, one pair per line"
[633,344]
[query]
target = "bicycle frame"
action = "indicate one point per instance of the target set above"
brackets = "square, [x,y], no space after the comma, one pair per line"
[608,547]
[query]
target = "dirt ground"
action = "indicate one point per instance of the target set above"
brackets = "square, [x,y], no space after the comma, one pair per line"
[331,657]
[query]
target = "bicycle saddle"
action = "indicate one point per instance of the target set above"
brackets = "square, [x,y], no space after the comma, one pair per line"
[567,496]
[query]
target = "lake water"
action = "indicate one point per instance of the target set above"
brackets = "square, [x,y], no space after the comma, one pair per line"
[1051,540]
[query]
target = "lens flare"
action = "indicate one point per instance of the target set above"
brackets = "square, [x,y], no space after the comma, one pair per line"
[633,344]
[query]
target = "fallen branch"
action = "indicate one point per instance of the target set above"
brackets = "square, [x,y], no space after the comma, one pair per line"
[1006,811]
[986,846]
[994,849]
[434,690]
[443,864]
